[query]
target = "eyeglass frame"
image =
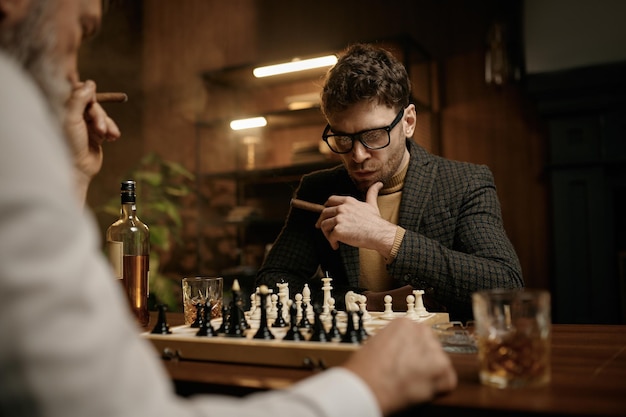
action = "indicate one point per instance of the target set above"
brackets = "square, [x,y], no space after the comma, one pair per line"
[359,135]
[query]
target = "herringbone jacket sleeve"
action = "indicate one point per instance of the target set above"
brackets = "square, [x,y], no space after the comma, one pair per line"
[301,251]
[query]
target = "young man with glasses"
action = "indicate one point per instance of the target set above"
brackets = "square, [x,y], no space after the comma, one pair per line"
[396,218]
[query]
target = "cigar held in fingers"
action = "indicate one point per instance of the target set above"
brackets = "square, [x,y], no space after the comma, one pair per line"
[305,205]
[111,97]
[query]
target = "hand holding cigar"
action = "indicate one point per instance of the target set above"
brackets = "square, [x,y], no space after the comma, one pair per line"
[305,205]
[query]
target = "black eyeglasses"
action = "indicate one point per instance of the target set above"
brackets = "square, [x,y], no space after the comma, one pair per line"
[373,139]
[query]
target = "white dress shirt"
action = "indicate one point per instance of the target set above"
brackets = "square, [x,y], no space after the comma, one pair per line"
[68,344]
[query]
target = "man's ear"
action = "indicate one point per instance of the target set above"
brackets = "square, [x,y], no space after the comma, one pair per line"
[409,121]
[13,11]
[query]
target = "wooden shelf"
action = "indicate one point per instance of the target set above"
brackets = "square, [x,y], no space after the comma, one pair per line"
[281,173]
[278,119]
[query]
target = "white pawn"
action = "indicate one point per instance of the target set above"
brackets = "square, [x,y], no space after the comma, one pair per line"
[299,306]
[326,318]
[252,305]
[366,314]
[388,314]
[410,308]
[420,310]
[273,313]
[257,311]
[331,307]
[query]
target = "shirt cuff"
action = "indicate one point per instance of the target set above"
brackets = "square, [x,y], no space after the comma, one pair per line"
[337,392]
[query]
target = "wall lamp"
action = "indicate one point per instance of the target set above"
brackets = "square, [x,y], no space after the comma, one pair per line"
[295,65]
[250,123]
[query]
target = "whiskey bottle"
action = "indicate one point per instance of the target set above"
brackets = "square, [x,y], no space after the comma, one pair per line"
[128,248]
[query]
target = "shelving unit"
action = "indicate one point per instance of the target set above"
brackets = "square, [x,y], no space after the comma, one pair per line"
[247,178]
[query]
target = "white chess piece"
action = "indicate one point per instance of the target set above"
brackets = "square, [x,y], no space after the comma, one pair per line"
[363,304]
[410,307]
[326,288]
[273,313]
[306,298]
[252,305]
[420,310]
[283,296]
[268,299]
[306,293]
[388,314]
[331,303]
[351,301]
[299,306]
[257,310]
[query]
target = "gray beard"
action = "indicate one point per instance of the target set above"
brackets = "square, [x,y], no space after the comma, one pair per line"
[32,44]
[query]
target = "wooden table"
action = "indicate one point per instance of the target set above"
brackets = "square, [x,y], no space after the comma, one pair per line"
[588,378]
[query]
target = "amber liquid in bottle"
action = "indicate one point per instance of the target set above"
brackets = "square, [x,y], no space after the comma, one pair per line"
[128,247]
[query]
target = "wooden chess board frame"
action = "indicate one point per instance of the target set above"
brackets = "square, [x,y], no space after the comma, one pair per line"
[183,344]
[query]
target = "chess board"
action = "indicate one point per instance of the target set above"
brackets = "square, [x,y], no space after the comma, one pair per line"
[183,344]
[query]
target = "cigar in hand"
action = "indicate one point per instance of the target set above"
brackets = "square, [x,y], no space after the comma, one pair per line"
[305,205]
[111,97]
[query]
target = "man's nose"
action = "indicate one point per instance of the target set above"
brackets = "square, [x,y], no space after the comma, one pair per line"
[359,152]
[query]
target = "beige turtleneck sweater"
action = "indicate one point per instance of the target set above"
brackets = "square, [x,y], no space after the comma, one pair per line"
[374,274]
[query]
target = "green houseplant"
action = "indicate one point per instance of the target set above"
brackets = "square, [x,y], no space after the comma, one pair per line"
[163,189]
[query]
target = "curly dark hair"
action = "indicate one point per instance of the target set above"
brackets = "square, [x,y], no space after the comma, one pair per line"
[365,72]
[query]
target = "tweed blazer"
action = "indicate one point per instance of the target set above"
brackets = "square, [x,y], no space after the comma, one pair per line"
[454,244]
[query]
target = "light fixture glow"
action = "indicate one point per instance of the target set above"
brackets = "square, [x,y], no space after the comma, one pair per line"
[248,123]
[295,65]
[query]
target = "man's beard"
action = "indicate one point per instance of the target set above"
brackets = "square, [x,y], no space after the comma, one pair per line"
[32,43]
[384,172]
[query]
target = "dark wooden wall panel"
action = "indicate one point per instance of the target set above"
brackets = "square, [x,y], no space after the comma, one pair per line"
[180,39]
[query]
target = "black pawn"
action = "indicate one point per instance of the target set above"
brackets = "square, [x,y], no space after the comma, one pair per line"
[318,334]
[242,318]
[304,322]
[280,320]
[199,316]
[161,326]
[363,335]
[224,326]
[351,335]
[294,332]
[264,331]
[333,333]
[241,315]
[205,328]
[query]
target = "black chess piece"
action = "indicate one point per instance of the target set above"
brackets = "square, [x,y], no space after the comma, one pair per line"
[318,334]
[224,326]
[294,332]
[234,323]
[363,335]
[242,318]
[304,321]
[263,331]
[333,333]
[238,302]
[351,335]
[161,326]
[206,329]
[280,320]
[199,316]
